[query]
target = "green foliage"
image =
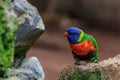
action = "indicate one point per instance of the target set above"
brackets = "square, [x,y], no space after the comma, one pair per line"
[80,75]
[8,26]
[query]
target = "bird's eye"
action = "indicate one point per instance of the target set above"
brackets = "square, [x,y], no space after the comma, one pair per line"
[73,34]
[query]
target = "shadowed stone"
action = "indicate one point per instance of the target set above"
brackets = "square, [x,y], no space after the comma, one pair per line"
[30,69]
[30,28]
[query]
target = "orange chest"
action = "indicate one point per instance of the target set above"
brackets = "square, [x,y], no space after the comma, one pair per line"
[82,48]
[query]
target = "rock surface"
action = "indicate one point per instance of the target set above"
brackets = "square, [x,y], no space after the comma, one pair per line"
[104,70]
[30,69]
[30,27]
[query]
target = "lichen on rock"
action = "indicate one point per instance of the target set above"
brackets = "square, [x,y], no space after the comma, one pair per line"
[18,32]
[103,70]
[75,73]
[8,26]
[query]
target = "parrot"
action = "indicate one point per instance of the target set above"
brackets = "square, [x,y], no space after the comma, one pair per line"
[84,46]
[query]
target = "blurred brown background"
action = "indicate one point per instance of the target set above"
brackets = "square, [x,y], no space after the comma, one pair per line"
[101,18]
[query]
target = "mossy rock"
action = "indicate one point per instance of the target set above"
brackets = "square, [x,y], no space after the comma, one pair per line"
[79,75]
[8,26]
[74,73]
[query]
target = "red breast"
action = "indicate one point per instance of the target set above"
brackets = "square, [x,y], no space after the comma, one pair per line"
[82,48]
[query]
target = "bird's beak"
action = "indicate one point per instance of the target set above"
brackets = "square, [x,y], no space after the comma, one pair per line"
[66,34]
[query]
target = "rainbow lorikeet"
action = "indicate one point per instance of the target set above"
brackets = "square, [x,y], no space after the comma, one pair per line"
[83,46]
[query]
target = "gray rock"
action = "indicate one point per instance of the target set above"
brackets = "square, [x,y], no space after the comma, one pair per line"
[30,27]
[30,69]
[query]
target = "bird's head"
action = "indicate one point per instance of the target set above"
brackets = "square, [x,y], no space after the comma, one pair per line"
[72,34]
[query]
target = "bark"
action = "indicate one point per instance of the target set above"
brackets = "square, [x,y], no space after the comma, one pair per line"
[104,70]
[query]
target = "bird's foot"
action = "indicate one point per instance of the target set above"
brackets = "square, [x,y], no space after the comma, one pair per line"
[95,61]
[77,63]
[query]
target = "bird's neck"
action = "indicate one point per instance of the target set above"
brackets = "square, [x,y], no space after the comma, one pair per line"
[80,37]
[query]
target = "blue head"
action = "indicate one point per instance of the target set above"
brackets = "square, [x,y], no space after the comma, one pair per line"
[72,34]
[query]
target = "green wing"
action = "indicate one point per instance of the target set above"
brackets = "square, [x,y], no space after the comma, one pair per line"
[94,42]
[96,46]
[88,37]
[91,38]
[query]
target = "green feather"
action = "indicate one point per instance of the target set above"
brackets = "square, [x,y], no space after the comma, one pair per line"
[88,37]
[80,37]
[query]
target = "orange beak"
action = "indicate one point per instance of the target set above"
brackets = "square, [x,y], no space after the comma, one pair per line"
[66,34]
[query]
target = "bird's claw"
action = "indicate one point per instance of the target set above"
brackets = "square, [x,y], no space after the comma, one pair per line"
[95,61]
[77,63]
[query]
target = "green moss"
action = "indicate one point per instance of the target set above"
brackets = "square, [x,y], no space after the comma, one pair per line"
[80,75]
[8,26]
